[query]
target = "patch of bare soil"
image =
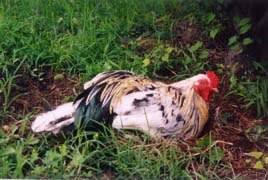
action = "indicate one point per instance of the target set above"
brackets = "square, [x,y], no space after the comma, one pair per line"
[237,132]
[42,95]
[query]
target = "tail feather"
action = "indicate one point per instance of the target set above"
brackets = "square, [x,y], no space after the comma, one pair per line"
[55,120]
[56,129]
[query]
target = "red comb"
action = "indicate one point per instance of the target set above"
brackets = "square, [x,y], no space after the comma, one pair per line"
[214,80]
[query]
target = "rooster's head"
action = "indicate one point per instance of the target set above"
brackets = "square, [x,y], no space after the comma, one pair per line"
[207,84]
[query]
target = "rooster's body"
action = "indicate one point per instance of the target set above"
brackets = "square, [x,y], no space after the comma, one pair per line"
[129,101]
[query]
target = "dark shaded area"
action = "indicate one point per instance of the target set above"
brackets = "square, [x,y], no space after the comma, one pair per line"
[257,11]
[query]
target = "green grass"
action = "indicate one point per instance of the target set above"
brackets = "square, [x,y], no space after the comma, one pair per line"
[75,36]
[28,156]
[85,38]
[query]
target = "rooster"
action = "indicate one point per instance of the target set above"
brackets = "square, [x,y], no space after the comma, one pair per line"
[130,101]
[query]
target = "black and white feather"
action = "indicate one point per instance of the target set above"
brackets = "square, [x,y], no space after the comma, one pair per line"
[129,101]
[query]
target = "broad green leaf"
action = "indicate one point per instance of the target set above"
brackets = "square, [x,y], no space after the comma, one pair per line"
[266,160]
[244,29]
[243,22]
[58,77]
[188,60]
[247,161]
[256,154]
[258,165]
[169,50]
[196,46]
[210,17]
[203,54]
[232,40]
[165,57]
[213,32]
[146,62]
[247,41]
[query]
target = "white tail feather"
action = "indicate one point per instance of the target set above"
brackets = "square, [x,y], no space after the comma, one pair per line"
[54,120]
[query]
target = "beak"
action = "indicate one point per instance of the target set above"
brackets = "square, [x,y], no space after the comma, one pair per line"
[215,90]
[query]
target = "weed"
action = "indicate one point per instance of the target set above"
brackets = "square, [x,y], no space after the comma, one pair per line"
[238,42]
[252,93]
